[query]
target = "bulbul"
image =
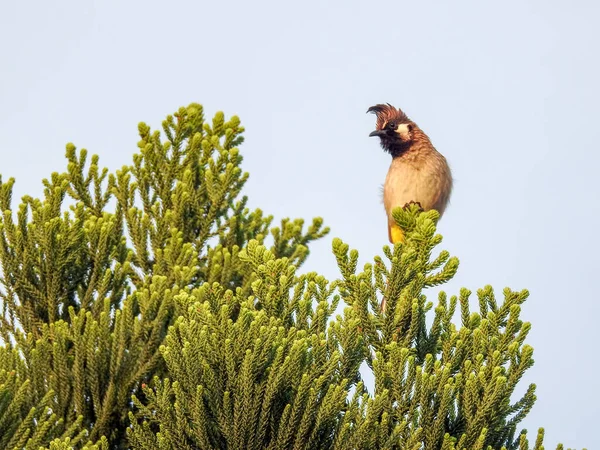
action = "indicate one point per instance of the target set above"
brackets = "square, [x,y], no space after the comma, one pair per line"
[418,172]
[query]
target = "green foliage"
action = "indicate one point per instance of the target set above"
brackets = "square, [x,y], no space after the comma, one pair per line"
[26,417]
[451,385]
[436,387]
[151,308]
[68,444]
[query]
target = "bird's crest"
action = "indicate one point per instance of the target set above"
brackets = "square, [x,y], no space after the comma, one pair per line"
[387,112]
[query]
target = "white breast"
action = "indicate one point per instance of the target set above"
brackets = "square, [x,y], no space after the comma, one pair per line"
[401,186]
[426,180]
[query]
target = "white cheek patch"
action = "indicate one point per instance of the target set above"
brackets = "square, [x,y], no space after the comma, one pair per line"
[403,131]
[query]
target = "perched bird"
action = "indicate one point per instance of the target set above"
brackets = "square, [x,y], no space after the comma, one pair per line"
[418,172]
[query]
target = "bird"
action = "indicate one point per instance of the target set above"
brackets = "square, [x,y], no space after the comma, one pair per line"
[418,173]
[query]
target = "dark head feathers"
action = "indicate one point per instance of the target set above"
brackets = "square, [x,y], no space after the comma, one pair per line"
[387,112]
[379,108]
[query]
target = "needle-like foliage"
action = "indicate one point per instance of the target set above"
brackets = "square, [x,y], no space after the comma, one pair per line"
[151,308]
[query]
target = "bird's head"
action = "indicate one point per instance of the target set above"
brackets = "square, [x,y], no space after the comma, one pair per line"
[393,127]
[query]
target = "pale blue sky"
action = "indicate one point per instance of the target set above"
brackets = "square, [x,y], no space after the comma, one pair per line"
[507,91]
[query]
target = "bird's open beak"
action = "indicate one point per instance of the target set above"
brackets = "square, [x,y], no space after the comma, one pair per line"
[377,133]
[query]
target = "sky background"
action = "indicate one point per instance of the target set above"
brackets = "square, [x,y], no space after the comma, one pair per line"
[507,91]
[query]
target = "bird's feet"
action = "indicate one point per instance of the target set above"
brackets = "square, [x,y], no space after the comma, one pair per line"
[413,203]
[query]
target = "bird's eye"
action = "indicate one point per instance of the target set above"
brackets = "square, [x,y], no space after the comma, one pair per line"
[391,125]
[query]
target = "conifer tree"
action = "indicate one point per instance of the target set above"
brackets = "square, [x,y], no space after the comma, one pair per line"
[150,308]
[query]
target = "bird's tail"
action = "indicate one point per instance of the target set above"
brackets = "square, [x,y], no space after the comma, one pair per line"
[396,236]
